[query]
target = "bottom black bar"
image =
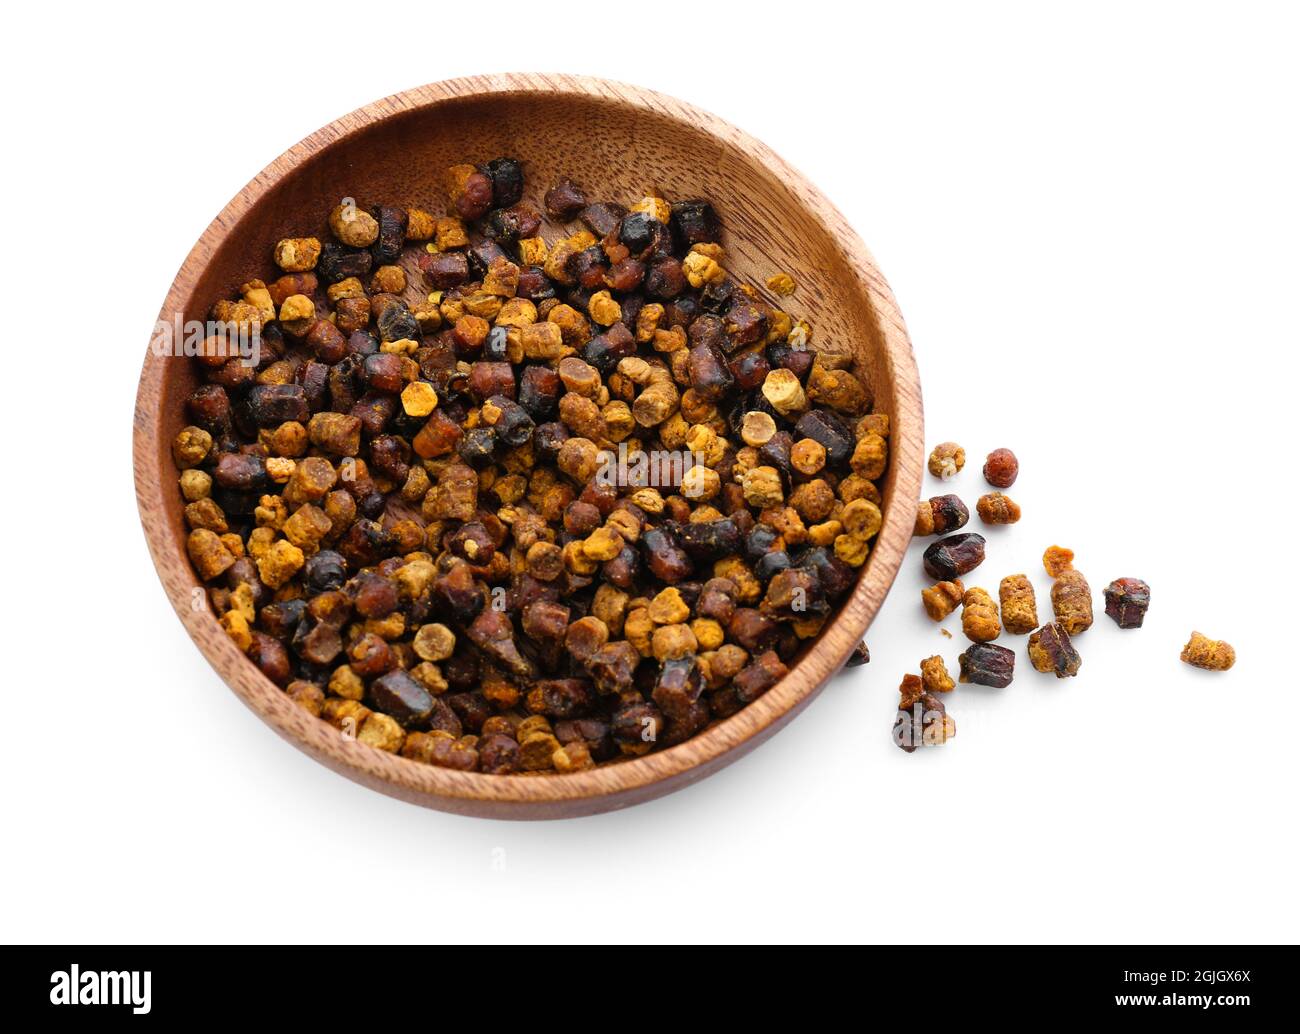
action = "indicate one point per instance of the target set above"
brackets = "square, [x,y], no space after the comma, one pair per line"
[141,985]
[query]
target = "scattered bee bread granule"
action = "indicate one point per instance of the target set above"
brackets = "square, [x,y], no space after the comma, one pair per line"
[1211,654]
[946,460]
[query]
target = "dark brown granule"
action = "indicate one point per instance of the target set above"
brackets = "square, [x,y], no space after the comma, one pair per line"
[1050,649]
[985,664]
[1127,600]
[950,558]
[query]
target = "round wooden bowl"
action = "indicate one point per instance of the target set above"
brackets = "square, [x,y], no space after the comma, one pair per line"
[619,142]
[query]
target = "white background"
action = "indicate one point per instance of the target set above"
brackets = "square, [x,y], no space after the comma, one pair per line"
[1090,220]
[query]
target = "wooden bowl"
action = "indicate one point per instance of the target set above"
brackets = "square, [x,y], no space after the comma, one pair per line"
[619,142]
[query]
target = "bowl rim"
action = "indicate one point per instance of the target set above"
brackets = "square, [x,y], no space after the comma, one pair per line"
[608,786]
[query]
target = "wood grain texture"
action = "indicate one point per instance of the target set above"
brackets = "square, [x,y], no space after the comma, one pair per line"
[619,142]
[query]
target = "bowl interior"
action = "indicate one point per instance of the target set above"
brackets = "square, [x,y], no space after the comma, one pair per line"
[617,147]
